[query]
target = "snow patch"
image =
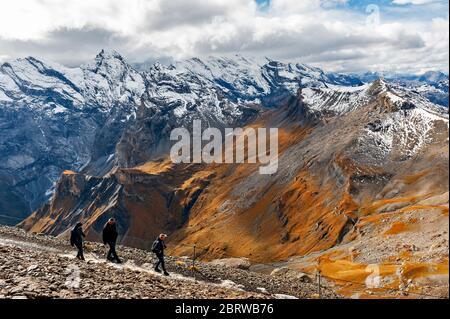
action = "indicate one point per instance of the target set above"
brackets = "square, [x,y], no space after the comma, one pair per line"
[4,97]
[231,285]
[282,296]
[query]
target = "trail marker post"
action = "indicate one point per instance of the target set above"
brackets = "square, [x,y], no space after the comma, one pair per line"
[319,283]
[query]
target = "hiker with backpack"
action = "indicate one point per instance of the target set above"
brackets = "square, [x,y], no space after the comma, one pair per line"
[110,235]
[158,249]
[76,239]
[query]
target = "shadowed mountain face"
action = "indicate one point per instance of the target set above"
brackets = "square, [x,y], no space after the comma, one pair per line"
[52,118]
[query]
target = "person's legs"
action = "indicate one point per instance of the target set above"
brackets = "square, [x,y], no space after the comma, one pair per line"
[158,262]
[114,253]
[80,251]
[109,256]
[162,263]
[161,260]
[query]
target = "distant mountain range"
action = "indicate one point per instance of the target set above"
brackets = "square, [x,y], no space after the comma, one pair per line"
[433,85]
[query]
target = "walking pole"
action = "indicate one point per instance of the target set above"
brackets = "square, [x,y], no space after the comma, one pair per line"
[193,260]
[319,284]
[193,264]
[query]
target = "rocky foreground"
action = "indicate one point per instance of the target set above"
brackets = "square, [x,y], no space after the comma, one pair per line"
[38,266]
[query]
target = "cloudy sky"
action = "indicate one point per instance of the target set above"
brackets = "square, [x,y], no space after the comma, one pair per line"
[409,36]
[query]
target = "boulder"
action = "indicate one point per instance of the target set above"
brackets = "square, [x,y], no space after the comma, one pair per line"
[239,263]
[291,274]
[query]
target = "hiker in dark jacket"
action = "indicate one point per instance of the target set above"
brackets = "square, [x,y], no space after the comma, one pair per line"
[109,238]
[158,249]
[76,239]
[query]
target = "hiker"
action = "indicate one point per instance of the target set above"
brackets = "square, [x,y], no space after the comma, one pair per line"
[158,249]
[76,239]
[109,238]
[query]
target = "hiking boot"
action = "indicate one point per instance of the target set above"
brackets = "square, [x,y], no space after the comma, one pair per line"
[157,270]
[118,261]
[166,273]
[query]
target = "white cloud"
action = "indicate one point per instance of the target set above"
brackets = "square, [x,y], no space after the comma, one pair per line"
[312,31]
[415,2]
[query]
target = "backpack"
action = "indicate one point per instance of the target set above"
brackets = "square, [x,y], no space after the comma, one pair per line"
[155,247]
[73,237]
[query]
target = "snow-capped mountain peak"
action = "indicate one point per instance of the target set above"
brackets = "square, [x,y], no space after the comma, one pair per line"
[107,61]
[110,78]
[100,84]
[30,81]
[433,77]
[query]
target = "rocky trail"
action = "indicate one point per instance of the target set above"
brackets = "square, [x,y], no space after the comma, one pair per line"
[40,266]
